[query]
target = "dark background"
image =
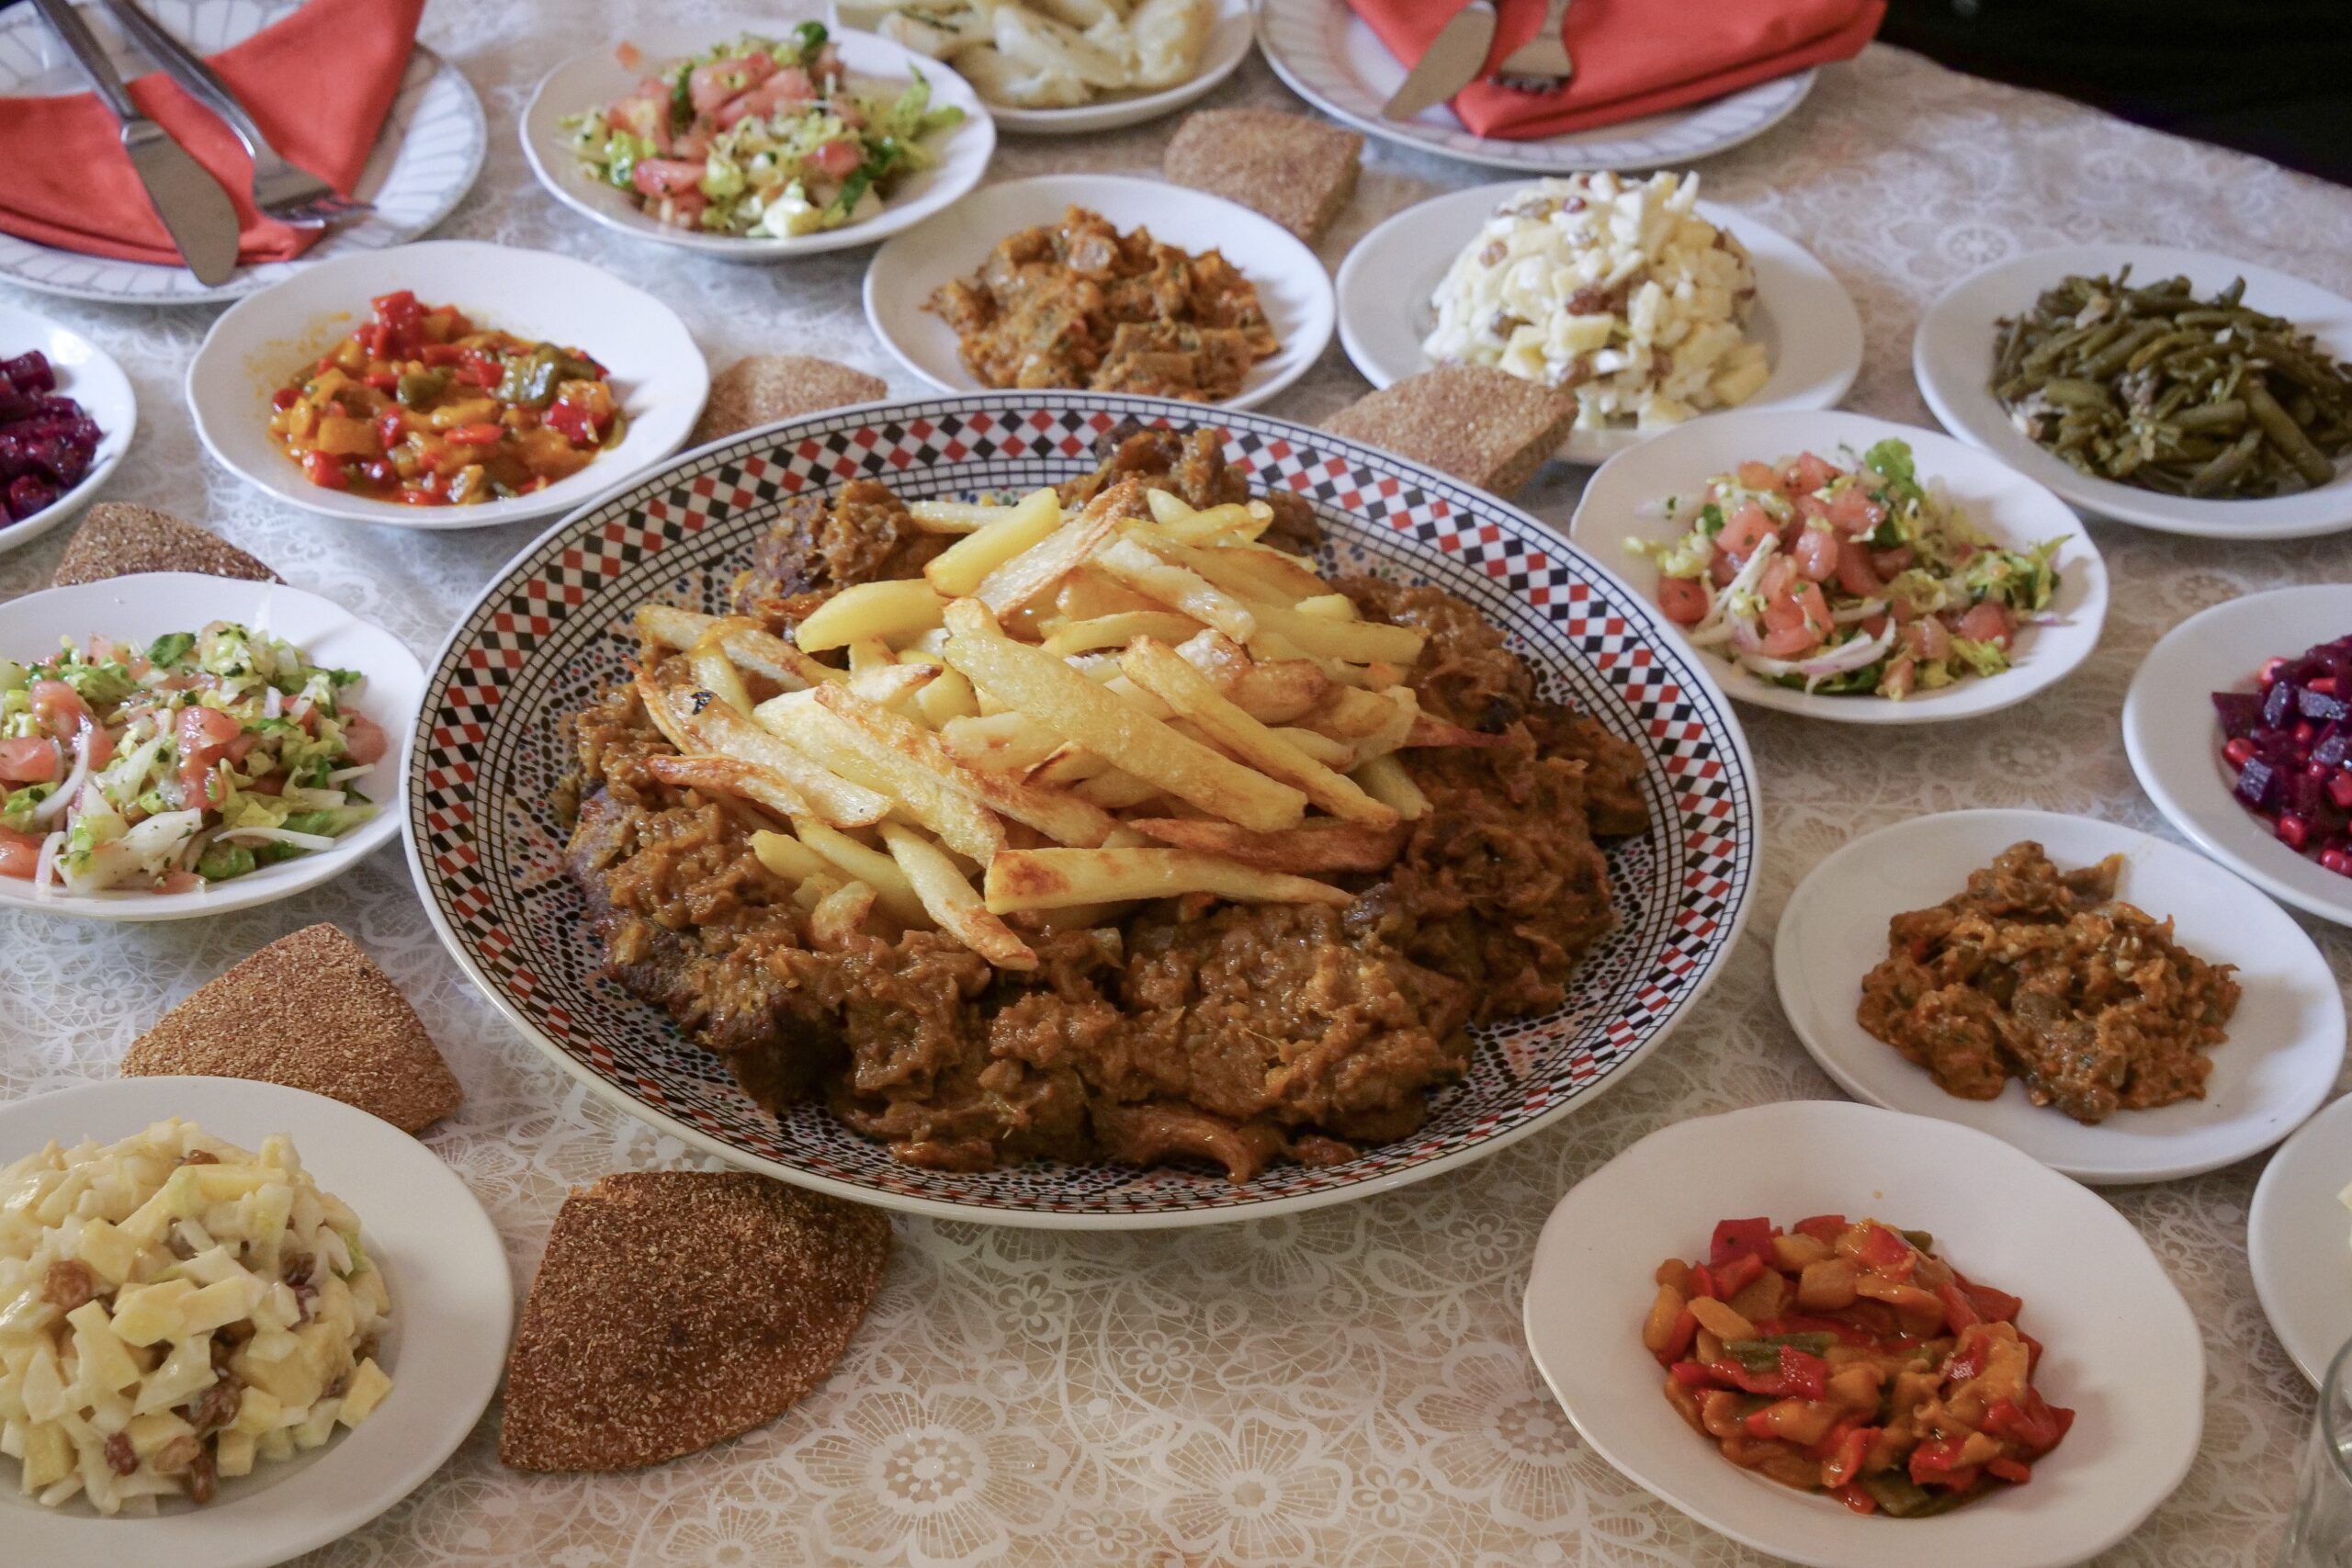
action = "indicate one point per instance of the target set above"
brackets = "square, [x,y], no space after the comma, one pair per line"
[2269,76]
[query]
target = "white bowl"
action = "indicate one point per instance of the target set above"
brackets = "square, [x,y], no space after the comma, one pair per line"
[453,1310]
[261,342]
[88,375]
[1804,316]
[589,82]
[141,608]
[1292,285]
[1952,359]
[2277,1066]
[2175,741]
[1621,503]
[2298,1240]
[2121,1347]
[1228,47]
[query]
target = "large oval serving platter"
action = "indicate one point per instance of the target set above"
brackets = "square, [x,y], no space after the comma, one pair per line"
[487,845]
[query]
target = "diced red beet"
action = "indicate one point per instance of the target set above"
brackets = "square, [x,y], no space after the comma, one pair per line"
[2254,781]
[31,371]
[2239,711]
[2325,706]
[28,494]
[2279,703]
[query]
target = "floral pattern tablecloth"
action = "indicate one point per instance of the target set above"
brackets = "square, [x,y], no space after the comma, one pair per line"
[1349,1387]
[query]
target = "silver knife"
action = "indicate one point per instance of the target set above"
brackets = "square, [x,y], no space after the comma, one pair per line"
[1451,63]
[196,211]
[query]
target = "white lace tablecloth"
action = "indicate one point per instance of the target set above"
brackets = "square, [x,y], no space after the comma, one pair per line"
[1347,1388]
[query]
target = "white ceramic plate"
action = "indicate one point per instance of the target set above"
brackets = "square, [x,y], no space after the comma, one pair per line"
[88,375]
[1336,62]
[1804,316]
[257,345]
[589,82]
[1952,359]
[425,157]
[1292,285]
[1228,45]
[453,1310]
[2277,1066]
[1621,501]
[2298,1240]
[2175,742]
[138,609]
[2121,1346]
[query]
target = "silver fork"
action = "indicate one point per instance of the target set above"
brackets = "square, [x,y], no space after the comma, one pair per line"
[1542,63]
[291,195]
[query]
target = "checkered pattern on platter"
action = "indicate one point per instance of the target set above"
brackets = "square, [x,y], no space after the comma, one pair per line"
[554,630]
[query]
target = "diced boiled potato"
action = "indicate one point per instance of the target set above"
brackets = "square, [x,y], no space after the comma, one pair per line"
[48,1456]
[278,1445]
[105,1361]
[232,1453]
[258,1411]
[214,1306]
[368,1386]
[150,1431]
[292,1379]
[186,1373]
[107,1250]
[321,1424]
[44,1387]
[146,1313]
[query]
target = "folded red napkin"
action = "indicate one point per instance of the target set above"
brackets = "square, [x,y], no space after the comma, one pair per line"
[319,83]
[1634,57]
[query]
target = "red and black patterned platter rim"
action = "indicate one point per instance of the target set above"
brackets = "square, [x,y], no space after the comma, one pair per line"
[486,845]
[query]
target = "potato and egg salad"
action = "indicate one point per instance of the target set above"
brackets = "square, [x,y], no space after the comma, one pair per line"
[175,1310]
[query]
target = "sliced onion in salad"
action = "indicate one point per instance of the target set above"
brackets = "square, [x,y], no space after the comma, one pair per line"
[277,836]
[50,809]
[1847,657]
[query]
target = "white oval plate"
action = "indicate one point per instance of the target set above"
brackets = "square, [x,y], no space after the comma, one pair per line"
[2278,1065]
[1621,503]
[2122,1348]
[425,157]
[138,609]
[88,375]
[258,344]
[1951,358]
[1228,46]
[1804,316]
[1339,66]
[1292,285]
[2298,1240]
[591,82]
[453,1310]
[2175,741]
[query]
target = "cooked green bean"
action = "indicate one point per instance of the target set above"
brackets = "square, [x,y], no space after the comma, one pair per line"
[2148,385]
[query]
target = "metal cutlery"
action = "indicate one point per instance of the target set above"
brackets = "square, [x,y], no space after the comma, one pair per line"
[1450,63]
[1542,63]
[289,195]
[196,211]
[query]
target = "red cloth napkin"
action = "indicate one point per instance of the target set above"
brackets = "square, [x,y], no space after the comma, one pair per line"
[1634,57]
[319,83]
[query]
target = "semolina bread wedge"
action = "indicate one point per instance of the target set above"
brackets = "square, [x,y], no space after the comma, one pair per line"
[116,539]
[1298,172]
[1486,427]
[770,386]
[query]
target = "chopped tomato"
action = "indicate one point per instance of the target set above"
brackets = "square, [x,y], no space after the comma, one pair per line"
[1854,512]
[1808,474]
[1855,575]
[839,158]
[1684,602]
[1747,527]
[364,739]
[1988,622]
[30,760]
[1816,553]
[666,176]
[19,854]
[1758,476]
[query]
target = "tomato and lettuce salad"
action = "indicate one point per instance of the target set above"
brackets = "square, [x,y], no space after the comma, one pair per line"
[194,760]
[763,137]
[1846,580]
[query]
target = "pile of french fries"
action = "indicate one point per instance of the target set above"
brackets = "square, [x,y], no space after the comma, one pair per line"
[1067,713]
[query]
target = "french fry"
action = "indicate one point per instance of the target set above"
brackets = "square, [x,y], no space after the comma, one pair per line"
[1115,790]
[970,617]
[1069,765]
[960,820]
[788,858]
[955,516]
[891,684]
[1179,588]
[841,914]
[814,890]
[708,658]
[998,740]
[1253,573]
[956,570]
[1428,729]
[1348,714]
[1357,642]
[882,734]
[747,642]
[1090,594]
[946,695]
[1403,712]
[1385,779]
[867,654]
[716,728]
[1051,879]
[952,903]
[891,610]
[1156,668]
[1279,691]
[1318,845]
[656,709]
[726,776]
[1117,631]
[1041,566]
[1329,607]
[1187,524]
[869,865]
[1334,754]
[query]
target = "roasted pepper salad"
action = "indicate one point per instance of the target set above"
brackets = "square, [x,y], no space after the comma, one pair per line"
[422,406]
[191,761]
[1848,1359]
[762,137]
[1845,578]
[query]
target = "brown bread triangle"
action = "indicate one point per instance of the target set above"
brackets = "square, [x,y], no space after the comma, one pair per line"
[121,540]
[1483,426]
[312,1011]
[770,386]
[677,1309]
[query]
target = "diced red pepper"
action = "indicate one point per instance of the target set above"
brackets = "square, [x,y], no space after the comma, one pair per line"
[573,421]
[1702,1283]
[1843,1462]
[1822,1227]
[324,470]
[475,368]
[381,381]
[1992,1306]
[285,398]
[1693,1374]
[1854,1497]
[1967,1361]
[414,497]
[476,435]
[1959,1310]
[1735,1275]
[2032,1423]
[1889,1253]
[2032,1350]
[1937,1460]
[392,428]
[439,354]
[2010,1470]
[1678,1338]
[1740,1239]
[1800,1375]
